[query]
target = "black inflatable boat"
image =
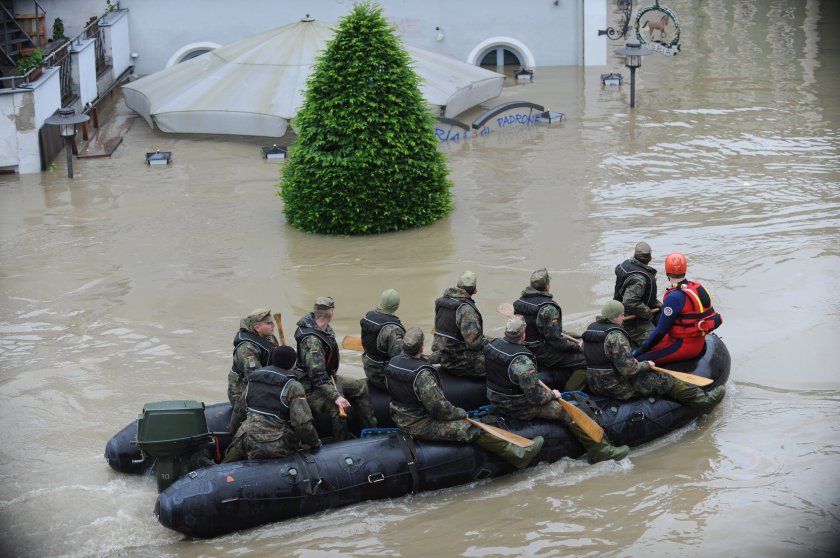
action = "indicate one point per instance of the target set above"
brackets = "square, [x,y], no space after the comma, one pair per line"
[214,500]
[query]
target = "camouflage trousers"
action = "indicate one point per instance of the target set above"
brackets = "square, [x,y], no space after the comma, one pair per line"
[375,373]
[463,363]
[262,438]
[427,428]
[519,407]
[639,330]
[355,391]
[612,384]
[236,385]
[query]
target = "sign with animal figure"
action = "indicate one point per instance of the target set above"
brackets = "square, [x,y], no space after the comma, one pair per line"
[658,28]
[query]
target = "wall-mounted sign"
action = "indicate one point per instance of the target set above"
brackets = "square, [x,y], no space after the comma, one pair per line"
[658,28]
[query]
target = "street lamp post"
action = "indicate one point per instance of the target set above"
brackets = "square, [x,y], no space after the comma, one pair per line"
[66,121]
[633,53]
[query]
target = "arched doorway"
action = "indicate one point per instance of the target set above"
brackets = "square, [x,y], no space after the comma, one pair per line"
[502,51]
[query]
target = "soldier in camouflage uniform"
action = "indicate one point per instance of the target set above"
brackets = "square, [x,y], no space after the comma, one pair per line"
[279,421]
[513,387]
[318,359]
[612,370]
[382,334]
[459,330]
[635,288]
[544,332]
[252,346]
[419,407]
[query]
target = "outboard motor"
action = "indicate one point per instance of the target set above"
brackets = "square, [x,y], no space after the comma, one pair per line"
[175,434]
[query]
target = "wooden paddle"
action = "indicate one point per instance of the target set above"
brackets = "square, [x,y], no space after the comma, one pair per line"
[633,316]
[353,343]
[278,319]
[341,412]
[503,434]
[592,428]
[685,376]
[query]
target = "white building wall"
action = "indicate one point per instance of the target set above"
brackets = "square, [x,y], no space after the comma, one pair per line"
[117,40]
[84,70]
[551,30]
[22,113]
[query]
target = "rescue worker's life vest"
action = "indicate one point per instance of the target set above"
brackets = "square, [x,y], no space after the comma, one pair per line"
[697,317]
[328,344]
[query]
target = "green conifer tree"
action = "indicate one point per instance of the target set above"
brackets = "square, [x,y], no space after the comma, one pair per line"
[366,159]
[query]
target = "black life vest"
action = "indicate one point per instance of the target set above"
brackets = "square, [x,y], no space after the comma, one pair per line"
[328,343]
[528,306]
[264,394]
[627,268]
[264,347]
[593,344]
[498,356]
[372,325]
[400,375]
[445,324]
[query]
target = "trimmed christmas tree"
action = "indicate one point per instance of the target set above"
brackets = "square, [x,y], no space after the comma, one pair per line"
[366,159]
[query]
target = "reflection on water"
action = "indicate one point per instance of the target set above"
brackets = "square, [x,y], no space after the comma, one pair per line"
[125,286]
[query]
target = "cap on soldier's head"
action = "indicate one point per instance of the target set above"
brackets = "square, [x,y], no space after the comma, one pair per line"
[324,303]
[412,341]
[514,328]
[540,279]
[612,309]
[642,252]
[389,302]
[467,280]
[256,316]
[284,357]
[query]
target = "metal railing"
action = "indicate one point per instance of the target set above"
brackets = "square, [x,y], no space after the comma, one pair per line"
[61,58]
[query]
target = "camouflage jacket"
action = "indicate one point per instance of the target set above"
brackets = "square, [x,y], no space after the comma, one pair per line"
[314,365]
[634,291]
[435,404]
[389,341]
[550,325]
[535,396]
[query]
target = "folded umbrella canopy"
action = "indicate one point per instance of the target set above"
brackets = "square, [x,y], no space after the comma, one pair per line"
[256,85]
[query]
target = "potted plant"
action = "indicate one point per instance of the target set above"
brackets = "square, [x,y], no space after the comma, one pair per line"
[58,30]
[31,62]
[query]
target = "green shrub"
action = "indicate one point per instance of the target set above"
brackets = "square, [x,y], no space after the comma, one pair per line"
[58,29]
[34,60]
[366,159]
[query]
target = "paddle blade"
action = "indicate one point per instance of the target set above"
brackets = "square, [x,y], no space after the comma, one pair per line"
[586,423]
[352,343]
[278,319]
[686,377]
[503,434]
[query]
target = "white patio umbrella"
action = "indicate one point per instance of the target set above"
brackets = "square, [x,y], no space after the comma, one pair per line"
[256,85]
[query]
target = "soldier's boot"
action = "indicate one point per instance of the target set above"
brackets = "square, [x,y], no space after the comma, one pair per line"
[233,454]
[696,398]
[576,381]
[513,454]
[598,451]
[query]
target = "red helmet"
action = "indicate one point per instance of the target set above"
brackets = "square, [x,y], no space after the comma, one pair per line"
[675,264]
